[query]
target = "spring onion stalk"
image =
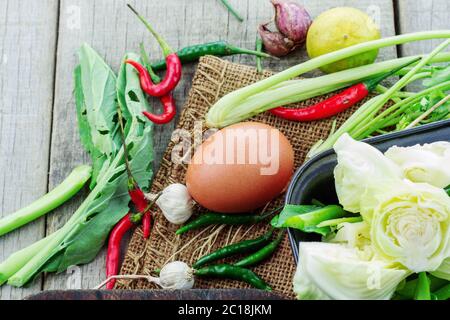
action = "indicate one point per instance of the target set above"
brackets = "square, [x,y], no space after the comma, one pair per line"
[335,222]
[422,291]
[54,242]
[218,114]
[18,259]
[60,194]
[388,116]
[373,106]
[299,90]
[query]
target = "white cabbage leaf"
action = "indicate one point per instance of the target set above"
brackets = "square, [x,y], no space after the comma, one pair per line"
[428,163]
[335,271]
[410,225]
[361,173]
[443,271]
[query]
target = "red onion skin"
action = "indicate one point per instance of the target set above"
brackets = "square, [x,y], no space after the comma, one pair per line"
[274,42]
[292,20]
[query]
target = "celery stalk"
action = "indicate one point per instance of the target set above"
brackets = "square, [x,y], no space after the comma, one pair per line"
[375,104]
[218,114]
[60,194]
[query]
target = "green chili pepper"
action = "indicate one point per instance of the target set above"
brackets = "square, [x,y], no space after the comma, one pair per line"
[217,48]
[240,247]
[259,45]
[233,272]
[261,254]
[217,218]
[422,291]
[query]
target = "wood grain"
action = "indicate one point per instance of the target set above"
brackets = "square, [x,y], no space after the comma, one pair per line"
[34,141]
[182,23]
[416,15]
[27,47]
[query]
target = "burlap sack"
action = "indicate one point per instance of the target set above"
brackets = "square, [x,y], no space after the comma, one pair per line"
[213,79]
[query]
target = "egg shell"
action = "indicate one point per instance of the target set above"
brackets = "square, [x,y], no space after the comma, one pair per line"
[240,168]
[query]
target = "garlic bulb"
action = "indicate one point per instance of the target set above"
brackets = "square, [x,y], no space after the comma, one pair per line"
[176,275]
[175,203]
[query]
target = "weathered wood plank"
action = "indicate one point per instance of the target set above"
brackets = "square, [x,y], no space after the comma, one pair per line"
[112,30]
[416,15]
[27,37]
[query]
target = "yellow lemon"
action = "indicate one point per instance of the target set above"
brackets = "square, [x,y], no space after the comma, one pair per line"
[340,28]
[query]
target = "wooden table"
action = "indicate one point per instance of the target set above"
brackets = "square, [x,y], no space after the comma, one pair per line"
[39,142]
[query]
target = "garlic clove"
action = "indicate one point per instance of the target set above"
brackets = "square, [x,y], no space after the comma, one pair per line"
[292,20]
[274,42]
[176,275]
[176,203]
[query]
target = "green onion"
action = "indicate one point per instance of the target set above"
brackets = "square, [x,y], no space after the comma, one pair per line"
[60,194]
[366,113]
[218,115]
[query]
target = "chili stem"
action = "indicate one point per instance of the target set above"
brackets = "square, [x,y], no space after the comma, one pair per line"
[232,10]
[163,44]
[259,46]
[145,59]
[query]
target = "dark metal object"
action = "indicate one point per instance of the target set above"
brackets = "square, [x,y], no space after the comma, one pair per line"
[192,294]
[315,179]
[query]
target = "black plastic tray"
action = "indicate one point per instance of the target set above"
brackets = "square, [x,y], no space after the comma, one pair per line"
[315,178]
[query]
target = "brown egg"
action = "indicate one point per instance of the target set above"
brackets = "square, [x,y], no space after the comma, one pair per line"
[240,168]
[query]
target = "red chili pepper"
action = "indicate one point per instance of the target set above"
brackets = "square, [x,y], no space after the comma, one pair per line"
[170,81]
[335,104]
[146,224]
[168,114]
[173,73]
[137,195]
[115,239]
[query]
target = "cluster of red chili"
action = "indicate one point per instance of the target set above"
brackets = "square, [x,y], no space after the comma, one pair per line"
[162,89]
[152,84]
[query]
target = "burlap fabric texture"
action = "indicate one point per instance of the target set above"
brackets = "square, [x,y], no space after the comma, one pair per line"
[214,78]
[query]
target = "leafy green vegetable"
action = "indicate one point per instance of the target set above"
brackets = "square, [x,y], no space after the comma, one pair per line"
[336,271]
[79,240]
[443,293]
[438,76]
[408,221]
[406,291]
[422,290]
[307,217]
[95,94]
[53,199]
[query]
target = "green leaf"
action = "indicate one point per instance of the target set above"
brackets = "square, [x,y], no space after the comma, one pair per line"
[438,76]
[95,95]
[307,217]
[84,234]
[422,290]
